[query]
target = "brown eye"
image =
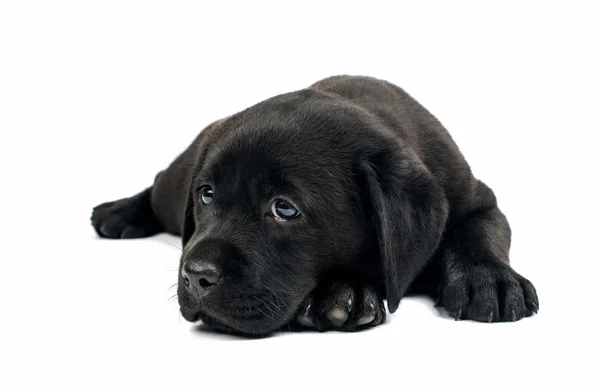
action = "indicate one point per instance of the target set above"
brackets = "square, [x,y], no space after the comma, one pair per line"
[283,210]
[207,195]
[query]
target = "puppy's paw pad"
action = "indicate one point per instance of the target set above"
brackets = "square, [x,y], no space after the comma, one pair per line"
[367,319]
[306,321]
[343,306]
[305,317]
[338,316]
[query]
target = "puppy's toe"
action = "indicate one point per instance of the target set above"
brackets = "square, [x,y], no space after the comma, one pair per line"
[366,319]
[337,316]
[484,305]
[134,232]
[530,296]
[342,305]
[493,293]
[110,226]
[455,296]
[512,304]
[335,307]
[306,321]
[370,311]
[305,316]
[125,218]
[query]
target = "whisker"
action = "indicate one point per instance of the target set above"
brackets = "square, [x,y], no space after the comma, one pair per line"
[274,294]
[264,314]
[267,306]
[172,298]
[273,304]
[168,243]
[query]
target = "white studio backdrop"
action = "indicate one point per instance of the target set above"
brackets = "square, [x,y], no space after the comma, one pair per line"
[97,97]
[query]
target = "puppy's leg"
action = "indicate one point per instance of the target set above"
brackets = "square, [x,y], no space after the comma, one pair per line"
[477,281]
[342,303]
[157,209]
[127,218]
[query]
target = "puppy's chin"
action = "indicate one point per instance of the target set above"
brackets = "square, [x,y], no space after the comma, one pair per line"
[254,314]
[253,326]
[241,327]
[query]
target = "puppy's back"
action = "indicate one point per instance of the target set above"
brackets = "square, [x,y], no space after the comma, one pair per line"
[413,124]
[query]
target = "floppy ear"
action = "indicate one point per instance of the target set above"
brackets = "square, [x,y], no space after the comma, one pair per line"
[189,222]
[410,211]
[189,163]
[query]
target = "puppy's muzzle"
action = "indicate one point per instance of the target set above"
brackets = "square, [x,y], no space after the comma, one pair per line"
[200,277]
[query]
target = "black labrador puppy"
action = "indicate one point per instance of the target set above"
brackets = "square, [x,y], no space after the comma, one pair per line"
[312,207]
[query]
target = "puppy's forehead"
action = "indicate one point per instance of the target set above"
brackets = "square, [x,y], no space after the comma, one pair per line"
[261,161]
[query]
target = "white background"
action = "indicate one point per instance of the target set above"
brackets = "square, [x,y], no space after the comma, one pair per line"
[97,97]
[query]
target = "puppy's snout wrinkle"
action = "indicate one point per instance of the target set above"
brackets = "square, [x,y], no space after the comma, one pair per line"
[200,276]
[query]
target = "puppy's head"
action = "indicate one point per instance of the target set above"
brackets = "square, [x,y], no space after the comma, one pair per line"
[279,197]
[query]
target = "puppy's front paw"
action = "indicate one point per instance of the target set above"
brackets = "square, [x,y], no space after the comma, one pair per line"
[125,218]
[342,305]
[488,293]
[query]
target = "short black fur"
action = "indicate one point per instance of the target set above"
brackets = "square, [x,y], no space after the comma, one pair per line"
[387,205]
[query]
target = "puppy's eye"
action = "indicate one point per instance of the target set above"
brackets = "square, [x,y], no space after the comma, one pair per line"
[207,195]
[283,210]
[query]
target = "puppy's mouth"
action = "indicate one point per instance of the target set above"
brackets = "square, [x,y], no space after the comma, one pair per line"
[250,315]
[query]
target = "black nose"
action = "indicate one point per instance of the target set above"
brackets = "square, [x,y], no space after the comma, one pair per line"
[200,276]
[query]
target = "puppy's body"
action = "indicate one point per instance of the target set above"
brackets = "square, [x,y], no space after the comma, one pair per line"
[383,196]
